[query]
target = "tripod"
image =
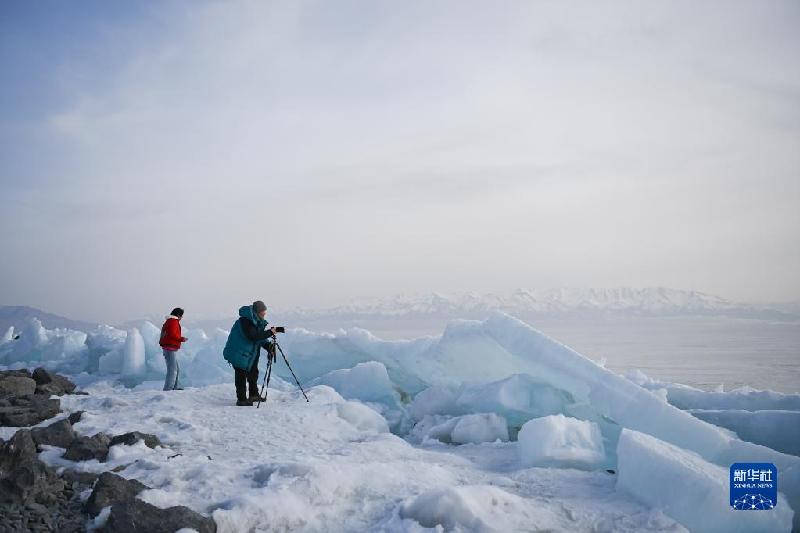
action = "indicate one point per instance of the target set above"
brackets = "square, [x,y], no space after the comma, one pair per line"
[271,357]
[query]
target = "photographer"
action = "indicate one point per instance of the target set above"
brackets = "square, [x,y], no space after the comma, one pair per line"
[243,348]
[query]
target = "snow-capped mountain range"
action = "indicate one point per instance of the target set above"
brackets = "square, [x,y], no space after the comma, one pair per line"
[550,302]
[17,315]
[522,303]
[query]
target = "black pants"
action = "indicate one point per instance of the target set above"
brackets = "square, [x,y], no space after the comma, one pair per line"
[246,379]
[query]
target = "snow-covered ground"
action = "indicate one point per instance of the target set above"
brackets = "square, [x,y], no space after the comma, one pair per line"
[332,465]
[490,426]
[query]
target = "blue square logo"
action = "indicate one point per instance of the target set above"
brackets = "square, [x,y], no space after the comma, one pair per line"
[754,486]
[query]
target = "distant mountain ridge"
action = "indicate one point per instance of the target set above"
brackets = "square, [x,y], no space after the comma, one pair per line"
[522,303]
[560,302]
[17,315]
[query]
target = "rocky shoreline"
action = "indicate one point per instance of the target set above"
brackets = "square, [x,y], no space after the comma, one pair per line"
[35,497]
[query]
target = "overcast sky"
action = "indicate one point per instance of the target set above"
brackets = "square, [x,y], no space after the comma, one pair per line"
[206,154]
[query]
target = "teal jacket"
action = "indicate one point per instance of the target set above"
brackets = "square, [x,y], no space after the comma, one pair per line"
[240,351]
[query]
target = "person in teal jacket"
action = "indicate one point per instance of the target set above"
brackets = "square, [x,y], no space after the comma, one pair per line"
[243,348]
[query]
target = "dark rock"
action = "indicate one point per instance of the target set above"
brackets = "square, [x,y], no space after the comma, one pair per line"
[82,478]
[37,508]
[88,448]
[136,515]
[28,410]
[16,386]
[60,511]
[20,446]
[51,383]
[151,441]
[23,372]
[58,434]
[71,527]
[42,376]
[23,477]
[102,438]
[49,390]
[112,489]
[75,417]
[16,417]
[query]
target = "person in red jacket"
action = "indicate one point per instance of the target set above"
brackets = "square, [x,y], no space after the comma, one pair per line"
[171,339]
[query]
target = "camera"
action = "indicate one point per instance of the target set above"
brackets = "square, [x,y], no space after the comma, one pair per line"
[280,329]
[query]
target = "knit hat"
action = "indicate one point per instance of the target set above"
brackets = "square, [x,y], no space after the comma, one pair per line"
[258,306]
[178,312]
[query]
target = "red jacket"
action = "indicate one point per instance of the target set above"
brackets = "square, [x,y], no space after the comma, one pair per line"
[171,337]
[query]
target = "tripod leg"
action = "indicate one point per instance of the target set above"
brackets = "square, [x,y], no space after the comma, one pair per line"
[265,384]
[292,371]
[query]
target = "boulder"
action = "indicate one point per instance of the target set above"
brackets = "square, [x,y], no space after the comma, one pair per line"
[151,441]
[135,515]
[23,477]
[82,478]
[16,386]
[112,489]
[75,417]
[23,372]
[28,410]
[58,434]
[88,448]
[51,383]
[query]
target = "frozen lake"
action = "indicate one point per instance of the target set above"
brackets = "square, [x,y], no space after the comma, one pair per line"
[702,352]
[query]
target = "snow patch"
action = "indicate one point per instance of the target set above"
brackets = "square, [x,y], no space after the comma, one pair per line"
[477,508]
[362,417]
